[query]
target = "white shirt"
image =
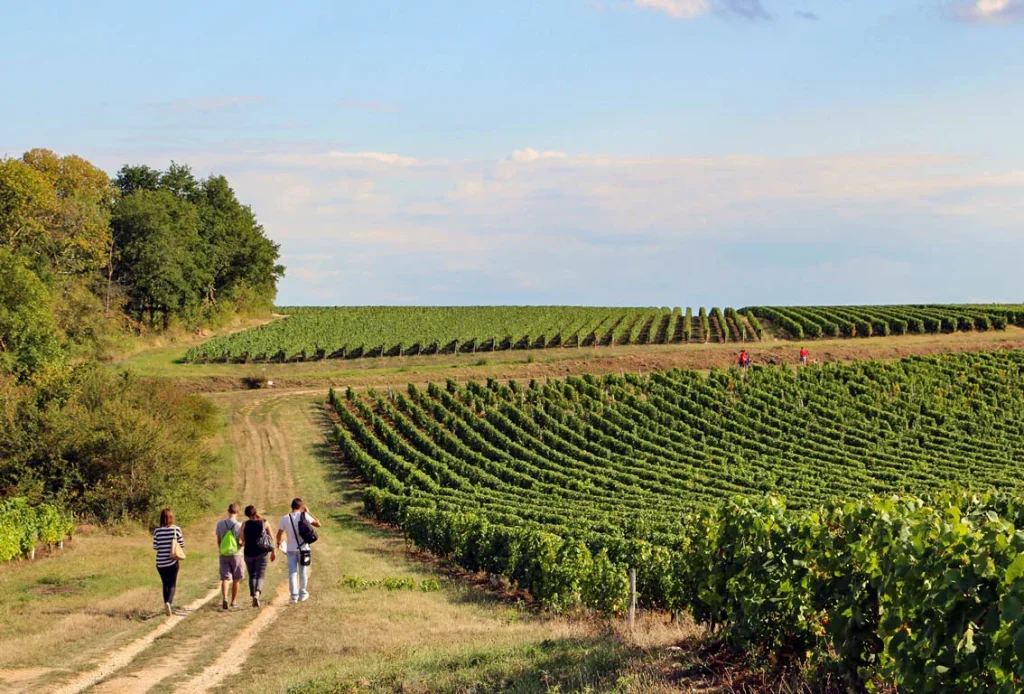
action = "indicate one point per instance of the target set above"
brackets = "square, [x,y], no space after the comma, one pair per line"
[290,540]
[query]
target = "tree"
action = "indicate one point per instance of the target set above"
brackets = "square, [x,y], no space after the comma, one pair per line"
[134,178]
[242,259]
[28,331]
[78,230]
[178,179]
[56,212]
[160,259]
[27,203]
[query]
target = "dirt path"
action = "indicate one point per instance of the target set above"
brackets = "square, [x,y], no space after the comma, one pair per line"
[123,656]
[183,645]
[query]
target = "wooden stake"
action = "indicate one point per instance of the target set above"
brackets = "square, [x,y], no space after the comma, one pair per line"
[632,598]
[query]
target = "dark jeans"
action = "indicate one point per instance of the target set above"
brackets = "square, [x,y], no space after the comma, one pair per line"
[257,568]
[169,576]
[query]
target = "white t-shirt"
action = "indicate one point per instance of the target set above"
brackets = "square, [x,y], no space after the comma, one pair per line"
[290,540]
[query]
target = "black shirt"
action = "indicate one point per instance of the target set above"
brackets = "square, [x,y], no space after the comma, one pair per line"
[253,530]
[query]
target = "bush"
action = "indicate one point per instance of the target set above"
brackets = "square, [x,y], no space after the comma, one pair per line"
[104,445]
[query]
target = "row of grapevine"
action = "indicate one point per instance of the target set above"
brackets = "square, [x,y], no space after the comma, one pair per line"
[562,485]
[23,527]
[375,331]
[799,322]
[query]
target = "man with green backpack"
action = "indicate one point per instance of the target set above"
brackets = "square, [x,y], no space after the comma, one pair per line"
[229,543]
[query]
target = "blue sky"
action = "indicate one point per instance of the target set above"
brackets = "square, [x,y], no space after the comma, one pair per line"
[651,152]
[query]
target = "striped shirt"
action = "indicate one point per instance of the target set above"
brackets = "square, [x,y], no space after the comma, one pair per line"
[162,538]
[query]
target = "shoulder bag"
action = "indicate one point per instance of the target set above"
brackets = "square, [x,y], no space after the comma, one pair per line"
[177,551]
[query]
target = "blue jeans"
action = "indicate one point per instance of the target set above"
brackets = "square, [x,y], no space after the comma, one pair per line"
[298,577]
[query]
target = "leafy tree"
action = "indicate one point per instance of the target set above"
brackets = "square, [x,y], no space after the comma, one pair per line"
[28,337]
[178,179]
[77,227]
[239,254]
[27,203]
[55,211]
[134,178]
[159,253]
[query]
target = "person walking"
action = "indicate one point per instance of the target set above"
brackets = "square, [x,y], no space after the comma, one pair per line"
[169,544]
[229,539]
[258,551]
[803,355]
[294,530]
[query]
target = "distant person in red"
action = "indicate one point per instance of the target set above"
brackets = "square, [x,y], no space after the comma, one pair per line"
[744,359]
[803,355]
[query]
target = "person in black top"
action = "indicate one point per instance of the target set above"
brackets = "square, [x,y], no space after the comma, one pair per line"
[257,557]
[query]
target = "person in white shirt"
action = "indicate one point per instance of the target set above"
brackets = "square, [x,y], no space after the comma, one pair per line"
[296,550]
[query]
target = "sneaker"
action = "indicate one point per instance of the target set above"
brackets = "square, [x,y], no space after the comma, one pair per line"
[224,603]
[234,605]
[167,606]
[293,601]
[255,601]
[304,598]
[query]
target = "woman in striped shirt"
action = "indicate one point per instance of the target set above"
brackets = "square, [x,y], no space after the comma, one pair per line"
[163,536]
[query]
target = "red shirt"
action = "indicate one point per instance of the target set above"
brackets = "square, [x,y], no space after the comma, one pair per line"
[803,352]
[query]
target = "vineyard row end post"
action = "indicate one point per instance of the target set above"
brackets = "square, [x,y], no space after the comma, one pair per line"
[632,597]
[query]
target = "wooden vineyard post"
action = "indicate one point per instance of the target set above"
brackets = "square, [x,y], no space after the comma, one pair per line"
[632,598]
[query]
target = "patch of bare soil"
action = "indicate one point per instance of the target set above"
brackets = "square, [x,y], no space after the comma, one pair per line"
[143,680]
[22,679]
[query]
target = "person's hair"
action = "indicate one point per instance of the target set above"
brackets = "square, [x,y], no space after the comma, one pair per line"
[296,504]
[233,508]
[251,512]
[166,517]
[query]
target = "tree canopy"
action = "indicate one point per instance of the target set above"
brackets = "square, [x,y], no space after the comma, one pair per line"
[149,246]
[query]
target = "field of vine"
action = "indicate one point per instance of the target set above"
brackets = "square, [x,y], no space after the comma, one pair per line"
[872,565]
[802,322]
[311,333]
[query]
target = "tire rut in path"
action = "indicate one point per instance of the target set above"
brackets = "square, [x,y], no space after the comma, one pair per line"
[126,654]
[230,662]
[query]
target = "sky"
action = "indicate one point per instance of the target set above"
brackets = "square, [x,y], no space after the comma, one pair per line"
[604,152]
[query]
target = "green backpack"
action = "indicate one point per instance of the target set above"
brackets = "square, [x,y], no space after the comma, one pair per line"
[229,543]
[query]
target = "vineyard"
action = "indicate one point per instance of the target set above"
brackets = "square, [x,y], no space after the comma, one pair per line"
[309,333]
[561,486]
[801,322]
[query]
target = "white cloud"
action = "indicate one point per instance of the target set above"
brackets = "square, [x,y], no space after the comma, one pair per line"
[379,157]
[991,11]
[528,154]
[988,8]
[553,216]
[677,9]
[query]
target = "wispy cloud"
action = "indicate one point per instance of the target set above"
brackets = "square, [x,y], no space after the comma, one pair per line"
[357,105]
[394,214]
[808,15]
[691,9]
[990,11]
[208,104]
[747,9]
[677,9]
